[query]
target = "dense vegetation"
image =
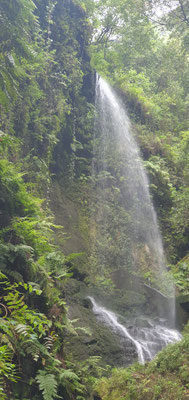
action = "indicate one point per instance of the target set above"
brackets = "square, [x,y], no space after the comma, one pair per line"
[47,115]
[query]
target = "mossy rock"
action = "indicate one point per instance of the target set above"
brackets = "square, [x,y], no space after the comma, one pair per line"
[124,302]
[100,342]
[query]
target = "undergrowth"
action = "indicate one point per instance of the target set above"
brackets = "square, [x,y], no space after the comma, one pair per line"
[165,378]
[33,312]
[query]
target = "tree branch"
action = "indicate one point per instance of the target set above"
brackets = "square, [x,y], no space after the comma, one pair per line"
[186,19]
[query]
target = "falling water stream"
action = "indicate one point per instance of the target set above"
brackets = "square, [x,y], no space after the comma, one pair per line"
[123,189]
[146,340]
[117,154]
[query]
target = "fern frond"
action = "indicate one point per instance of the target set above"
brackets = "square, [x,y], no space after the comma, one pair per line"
[11,273]
[69,326]
[7,368]
[3,279]
[47,384]
[74,386]
[68,374]
[31,348]
[30,342]
[71,381]
[22,329]
[4,339]
[49,342]
[84,329]
[5,327]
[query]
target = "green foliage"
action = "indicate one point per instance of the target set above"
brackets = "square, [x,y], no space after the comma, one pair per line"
[165,377]
[7,369]
[29,335]
[180,273]
[44,46]
[86,374]
[47,384]
[15,200]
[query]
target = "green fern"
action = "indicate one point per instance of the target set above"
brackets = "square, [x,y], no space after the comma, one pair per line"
[7,370]
[22,329]
[71,381]
[68,374]
[14,275]
[30,342]
[47,384]
[49,342]
[33,348]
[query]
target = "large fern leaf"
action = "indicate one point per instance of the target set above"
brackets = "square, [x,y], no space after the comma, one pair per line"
[47,384]
[68,374]
[30,342]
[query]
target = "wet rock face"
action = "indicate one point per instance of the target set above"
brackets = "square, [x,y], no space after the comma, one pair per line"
[101,341]
[140,336]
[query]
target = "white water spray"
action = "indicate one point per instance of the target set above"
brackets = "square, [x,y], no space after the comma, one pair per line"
[115,130]
[146,340]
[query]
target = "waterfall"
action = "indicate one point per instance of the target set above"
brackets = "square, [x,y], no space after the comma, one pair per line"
[147,340]
[124,209]
[124,228]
